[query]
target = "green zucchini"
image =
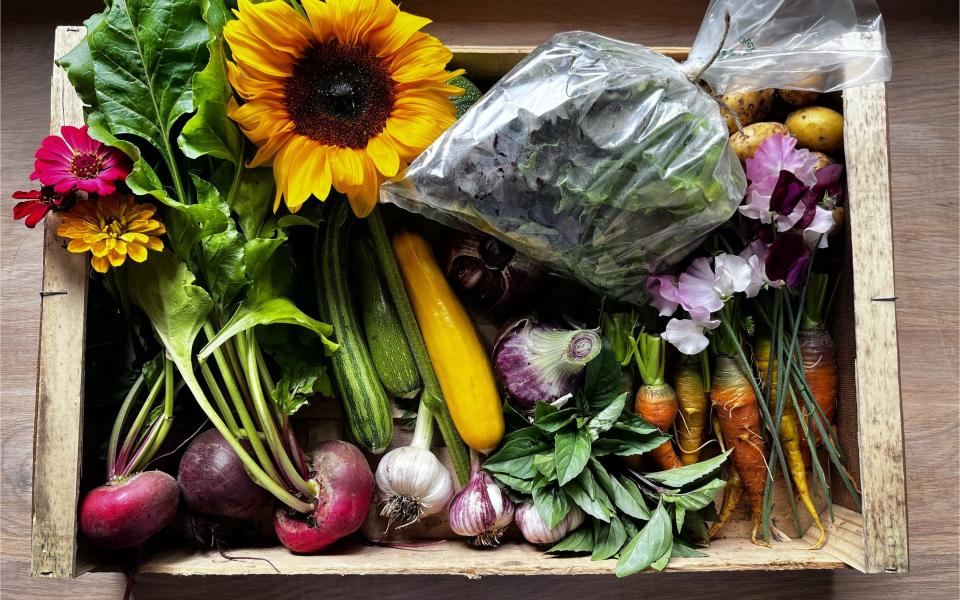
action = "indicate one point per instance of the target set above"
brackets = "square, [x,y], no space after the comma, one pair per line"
[388,345]
[365,403]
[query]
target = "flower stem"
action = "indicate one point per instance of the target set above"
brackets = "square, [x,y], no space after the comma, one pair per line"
[432,396]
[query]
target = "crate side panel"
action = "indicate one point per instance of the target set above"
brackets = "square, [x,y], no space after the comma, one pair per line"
[455,557]
[880,431]
[59,417]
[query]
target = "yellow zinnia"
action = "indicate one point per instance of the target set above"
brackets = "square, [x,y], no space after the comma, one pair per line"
[343,98]
[112,228]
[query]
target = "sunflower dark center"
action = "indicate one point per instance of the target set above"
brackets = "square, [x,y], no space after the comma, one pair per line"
[339,95]
[86,165]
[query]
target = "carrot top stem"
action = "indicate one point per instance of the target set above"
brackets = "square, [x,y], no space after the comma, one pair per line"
[650,354]
[816,295]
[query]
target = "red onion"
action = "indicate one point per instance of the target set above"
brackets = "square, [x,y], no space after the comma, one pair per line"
[537,362]
[489,272]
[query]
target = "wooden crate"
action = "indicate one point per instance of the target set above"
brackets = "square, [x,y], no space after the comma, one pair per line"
[873,540]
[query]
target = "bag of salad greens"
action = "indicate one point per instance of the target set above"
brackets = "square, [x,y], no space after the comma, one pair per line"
[605,160]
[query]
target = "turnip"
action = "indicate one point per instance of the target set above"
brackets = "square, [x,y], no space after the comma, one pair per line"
[345,490]
[127,511]
[214,481]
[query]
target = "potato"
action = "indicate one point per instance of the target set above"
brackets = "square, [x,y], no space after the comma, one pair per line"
[816,128]
[749,107]
[822,160]
[797,98]
[745,143]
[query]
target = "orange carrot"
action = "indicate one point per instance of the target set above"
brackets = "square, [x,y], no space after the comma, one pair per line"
[656,401]
[818,357]
[735,405]
[732,493]
[692,399]
[790,435]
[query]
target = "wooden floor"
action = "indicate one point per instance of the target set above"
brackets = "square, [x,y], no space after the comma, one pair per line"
[923,100]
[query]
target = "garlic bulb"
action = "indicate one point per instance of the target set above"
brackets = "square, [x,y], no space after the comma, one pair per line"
[535,530]
[413,481]
[482,510]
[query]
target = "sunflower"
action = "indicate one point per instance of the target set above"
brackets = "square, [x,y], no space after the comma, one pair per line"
[112,228]
[341,98]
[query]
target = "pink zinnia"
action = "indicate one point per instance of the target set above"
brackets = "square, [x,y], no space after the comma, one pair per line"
[76,161]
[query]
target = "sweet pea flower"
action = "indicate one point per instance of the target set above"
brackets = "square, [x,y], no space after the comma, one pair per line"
[775,155]
[788,258]
[755,254]
[701,291]
[664,293]
[687,335]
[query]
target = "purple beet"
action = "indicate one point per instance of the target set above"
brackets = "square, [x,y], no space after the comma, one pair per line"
[214,481]
[346,490]
[126,512]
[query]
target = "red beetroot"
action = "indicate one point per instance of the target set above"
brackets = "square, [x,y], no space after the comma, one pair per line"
[346,490]
[214,481]
[126,512]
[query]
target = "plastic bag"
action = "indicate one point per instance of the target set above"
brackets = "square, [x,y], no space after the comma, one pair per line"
[601,159]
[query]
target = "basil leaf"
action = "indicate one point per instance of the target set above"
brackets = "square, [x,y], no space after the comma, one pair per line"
[698,498]
[556,420]
[588,502]
[677,478]
[515,458]
[524,486]
[578,540]
[608,538]
[681,549]
[606,418]
[546,465]
[633,490]
[635,424]
[145,54]
[695,524]
[626,443]
[661,563]
[552,505]
[531,432]
[622,499]
[601,383]
[512,418]
[572,452]
[543,410]
[678,513]
[649,546]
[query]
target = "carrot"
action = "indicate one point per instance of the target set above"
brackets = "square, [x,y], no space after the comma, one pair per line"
[692,398]
[790,437]
[818,356]
[656,401]
[735,405]
[732,493]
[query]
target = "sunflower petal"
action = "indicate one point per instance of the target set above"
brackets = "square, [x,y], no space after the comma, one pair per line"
[384,155]
[346,167]
[363,198]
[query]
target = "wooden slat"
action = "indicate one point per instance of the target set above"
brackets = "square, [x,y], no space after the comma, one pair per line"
[59,419]
[880,425]
[844,536]
[455,557]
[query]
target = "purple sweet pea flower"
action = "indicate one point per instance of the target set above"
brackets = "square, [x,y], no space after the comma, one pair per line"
[829,189]
[787,259]
[755,255]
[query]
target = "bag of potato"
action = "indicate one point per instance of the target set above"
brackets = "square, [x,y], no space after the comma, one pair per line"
[605,160]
